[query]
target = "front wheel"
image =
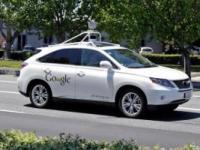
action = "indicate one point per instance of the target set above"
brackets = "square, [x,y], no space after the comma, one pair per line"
[40,95]
[132,103]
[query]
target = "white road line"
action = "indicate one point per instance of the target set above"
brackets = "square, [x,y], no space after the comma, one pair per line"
[12,82]
[196,96]
[189,109]
[9,92]
[12,111]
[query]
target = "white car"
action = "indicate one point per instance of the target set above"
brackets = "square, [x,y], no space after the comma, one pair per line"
[103,72]
[146,50]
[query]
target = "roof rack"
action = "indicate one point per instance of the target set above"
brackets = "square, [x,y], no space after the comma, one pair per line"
[90,38]
[87,36]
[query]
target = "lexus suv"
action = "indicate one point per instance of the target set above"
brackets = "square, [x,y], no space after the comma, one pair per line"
[104,72]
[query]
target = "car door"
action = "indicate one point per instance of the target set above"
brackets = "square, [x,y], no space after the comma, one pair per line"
[58,70]
[93,82]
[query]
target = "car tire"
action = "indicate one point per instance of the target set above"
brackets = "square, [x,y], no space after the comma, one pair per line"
[132,103]
[40,95]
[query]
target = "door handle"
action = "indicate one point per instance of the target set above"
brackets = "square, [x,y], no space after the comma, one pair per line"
[81,74]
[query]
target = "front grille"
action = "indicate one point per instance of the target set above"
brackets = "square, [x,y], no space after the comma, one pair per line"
[182,84]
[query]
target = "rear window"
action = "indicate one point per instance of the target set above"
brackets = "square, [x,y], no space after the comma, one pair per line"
[64,56]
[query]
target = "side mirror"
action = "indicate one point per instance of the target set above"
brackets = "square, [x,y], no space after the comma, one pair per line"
[106,64]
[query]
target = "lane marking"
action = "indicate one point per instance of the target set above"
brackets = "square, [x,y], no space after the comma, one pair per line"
[12,82]
[12,111]
[189,109]
[196,96]
[10,92]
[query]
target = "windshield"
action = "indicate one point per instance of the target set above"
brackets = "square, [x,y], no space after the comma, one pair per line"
[130,58]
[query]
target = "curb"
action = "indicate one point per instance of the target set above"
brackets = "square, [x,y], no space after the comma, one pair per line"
[9,71]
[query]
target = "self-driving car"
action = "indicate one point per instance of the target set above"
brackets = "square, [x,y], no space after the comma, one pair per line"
[92,70]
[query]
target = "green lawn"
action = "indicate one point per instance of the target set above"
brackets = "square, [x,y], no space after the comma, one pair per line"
[10,63]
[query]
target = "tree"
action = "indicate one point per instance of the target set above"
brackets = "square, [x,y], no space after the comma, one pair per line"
[173,21]
[123,20]
[14,19]
[58,17]
[176,22]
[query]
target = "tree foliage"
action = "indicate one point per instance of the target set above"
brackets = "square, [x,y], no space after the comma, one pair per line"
[13,19]
[174,22]
[56,17]
[167,20]
[123,20]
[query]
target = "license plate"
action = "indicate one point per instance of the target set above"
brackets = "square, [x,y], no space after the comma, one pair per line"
[187,95]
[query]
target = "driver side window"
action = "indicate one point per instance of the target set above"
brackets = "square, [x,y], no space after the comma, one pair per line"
[92,58]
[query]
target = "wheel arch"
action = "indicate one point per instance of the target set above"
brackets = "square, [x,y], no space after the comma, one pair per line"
[34,81]
[125,87]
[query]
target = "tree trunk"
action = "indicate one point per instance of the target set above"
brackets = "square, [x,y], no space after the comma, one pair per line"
[7,51]
[8,43]
[186,61]
[60,37]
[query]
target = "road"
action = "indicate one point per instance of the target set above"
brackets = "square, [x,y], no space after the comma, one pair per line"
[98,121]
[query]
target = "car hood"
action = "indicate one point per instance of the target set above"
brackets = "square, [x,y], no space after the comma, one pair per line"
[159,72]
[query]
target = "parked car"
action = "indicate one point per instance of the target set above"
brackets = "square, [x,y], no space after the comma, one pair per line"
[29,48]
[104,72]
[196,49]
[146,50]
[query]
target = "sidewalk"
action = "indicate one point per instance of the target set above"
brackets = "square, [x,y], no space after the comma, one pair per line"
[15,72]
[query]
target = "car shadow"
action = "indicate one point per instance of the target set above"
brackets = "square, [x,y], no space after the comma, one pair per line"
[98,108]
[109,109]
[176,115]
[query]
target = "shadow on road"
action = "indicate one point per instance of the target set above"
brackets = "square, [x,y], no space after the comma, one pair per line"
[176,115]
[107,109]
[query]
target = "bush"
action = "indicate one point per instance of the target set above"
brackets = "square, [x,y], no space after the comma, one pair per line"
[171,58]
[16,140]
[21,55]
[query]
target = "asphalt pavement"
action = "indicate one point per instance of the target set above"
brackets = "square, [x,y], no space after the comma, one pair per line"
[98,121]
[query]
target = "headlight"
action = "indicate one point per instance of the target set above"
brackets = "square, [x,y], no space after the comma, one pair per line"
[162,82]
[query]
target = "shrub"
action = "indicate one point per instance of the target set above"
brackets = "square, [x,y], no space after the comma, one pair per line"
[15,140]
[171,58]
[21,55]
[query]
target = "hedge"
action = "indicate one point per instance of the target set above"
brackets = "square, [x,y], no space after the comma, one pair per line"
[17,55]
[21,55]
[17,140]
[171,59]
[156,58]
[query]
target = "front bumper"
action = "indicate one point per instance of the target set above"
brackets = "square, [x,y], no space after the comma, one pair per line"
[169,96]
